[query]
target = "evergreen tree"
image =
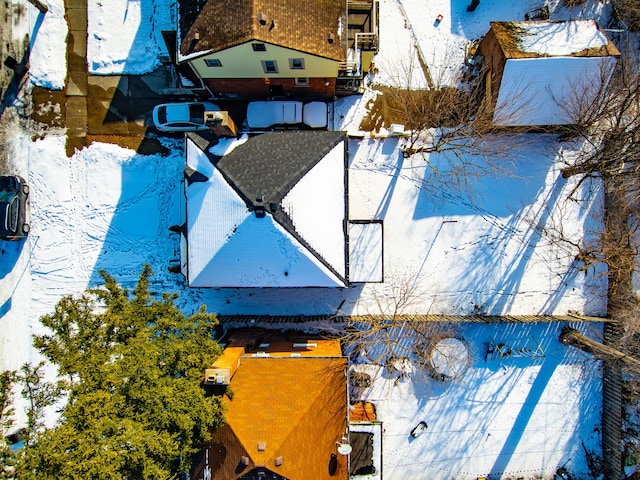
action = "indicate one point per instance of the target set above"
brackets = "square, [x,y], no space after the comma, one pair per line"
[7,457]
[131,367]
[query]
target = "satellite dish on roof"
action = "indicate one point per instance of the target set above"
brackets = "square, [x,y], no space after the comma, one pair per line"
[344,448]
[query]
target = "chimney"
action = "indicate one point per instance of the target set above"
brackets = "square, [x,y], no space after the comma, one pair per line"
[262,446]
[278,461]
[262,19]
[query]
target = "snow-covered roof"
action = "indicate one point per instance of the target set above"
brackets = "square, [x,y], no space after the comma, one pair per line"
[539,91]
[546,64]
[531,39]
[365,251]
[267,113]
[270,213]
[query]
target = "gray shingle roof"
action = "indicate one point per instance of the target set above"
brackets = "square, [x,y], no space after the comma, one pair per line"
[271,166]
[272,163]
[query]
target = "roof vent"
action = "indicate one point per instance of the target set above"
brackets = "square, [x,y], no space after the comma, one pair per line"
[262,446]
[196,36]
[260,198]
[259,211]
[273,207]
[331,38]
[278,461]
[262,19]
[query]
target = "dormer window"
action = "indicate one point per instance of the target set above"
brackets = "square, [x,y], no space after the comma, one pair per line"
[259,47]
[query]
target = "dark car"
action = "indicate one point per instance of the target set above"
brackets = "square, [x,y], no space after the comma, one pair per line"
[14,203]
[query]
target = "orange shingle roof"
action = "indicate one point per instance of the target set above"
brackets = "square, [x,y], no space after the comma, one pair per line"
[275,344]
[297,24]
[295,406]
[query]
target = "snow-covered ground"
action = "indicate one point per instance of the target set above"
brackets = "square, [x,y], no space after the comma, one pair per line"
[47,34]
[515,417]
[125,37]
[460,252]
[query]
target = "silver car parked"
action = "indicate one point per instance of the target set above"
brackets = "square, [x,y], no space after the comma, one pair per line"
[182,117]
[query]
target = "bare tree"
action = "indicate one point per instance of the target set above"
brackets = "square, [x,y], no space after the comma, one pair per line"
[606,126]
[570,336]
[605,118]
[628,13]
[392,337]
[448,126]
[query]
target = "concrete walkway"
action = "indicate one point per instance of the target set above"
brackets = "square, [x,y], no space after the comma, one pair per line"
[77,85]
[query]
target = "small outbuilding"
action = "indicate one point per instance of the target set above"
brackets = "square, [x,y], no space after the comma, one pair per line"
[534,69]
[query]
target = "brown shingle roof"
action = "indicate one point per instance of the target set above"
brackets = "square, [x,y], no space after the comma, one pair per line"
[362,412]
[297,24]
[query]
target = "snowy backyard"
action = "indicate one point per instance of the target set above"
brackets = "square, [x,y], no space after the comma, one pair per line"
[461,252]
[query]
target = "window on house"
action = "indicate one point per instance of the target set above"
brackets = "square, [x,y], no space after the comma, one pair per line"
[296,63]
[269,66]
[302,82]
[259,47]
[213,62]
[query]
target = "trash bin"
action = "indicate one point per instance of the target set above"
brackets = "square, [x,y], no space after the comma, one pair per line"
[14,65]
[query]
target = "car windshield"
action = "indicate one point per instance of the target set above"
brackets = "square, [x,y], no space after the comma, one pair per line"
[8,183]
[196,113]
[11,216]
[162,115]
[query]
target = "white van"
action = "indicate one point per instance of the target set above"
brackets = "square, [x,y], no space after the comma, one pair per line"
[264,114]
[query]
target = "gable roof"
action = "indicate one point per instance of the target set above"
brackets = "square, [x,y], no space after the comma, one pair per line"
[296,406]
[296,24]
[535,39]
[271,213]
[547,63]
